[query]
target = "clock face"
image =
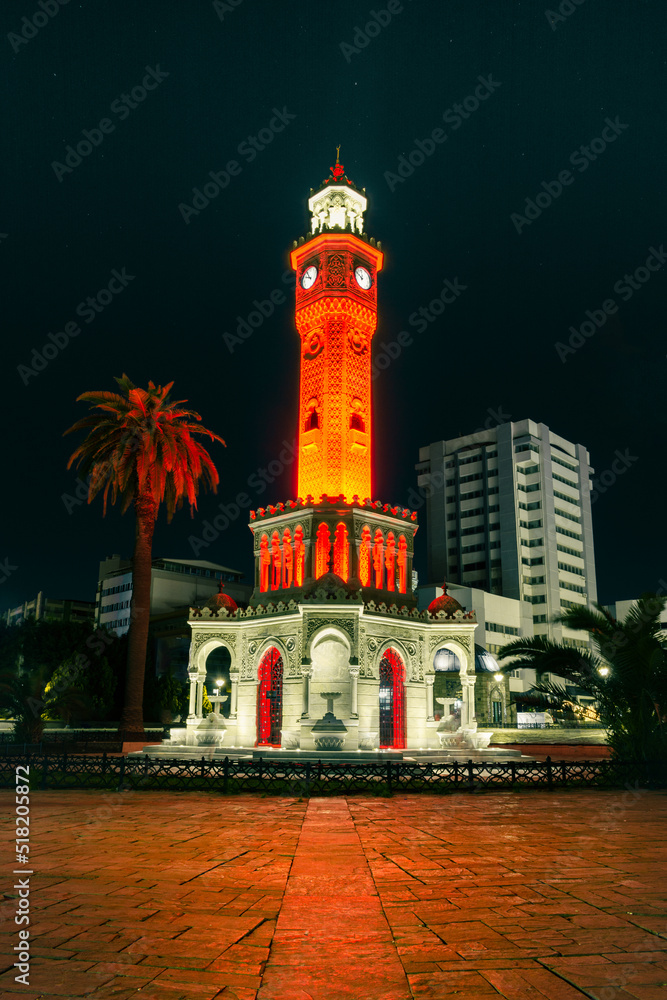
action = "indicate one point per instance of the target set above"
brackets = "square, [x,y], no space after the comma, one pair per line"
[363,278]
[309,277]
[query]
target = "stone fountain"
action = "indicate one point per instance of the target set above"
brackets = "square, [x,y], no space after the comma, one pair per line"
[329,732]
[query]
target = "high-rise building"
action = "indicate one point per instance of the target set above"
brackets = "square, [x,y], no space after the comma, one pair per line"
[509,511]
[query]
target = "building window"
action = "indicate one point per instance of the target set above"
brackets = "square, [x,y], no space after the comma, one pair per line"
[570,517]
[564,531]
[539,619]
[571,569]
[562,496]
[533,505]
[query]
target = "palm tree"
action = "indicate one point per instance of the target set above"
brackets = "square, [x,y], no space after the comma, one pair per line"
[140,450]
[625,672]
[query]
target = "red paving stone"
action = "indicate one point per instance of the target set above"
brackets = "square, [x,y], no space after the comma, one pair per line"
[525,895]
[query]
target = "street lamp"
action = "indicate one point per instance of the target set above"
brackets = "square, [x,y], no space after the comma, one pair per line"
[603,671]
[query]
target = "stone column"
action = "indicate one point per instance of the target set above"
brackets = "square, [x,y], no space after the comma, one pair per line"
[234,704]
[306,674]
[468,702]
[200,695]
[193,696]
[354,690]
[430,681]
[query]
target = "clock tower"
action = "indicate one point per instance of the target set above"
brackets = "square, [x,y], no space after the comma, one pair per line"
[336,316]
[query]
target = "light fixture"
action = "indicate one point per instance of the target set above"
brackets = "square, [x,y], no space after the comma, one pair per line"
[498,677]
[603,671]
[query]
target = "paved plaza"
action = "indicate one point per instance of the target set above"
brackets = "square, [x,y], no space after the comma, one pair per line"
[522,895]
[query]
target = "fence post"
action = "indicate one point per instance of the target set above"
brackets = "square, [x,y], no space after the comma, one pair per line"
[550,777]
[389,778]
[104,762]
[563,772]
[456,773]
[471,776]
[65,763]
[44,770]
[122,774]
[202,767]
[225,782]
[307,779]
[513,770]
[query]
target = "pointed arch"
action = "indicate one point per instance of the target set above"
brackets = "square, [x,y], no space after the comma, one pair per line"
[402,562]
[378,551]
[264,563]
[276,561]
[299,556]
[341,552]
[288,559]
[390,561]
[322,550]
[365,557]
[270,697]
[392,700]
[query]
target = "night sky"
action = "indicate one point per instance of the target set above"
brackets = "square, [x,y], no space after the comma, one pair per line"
[219,74]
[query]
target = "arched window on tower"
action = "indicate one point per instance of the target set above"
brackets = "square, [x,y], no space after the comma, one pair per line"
[299,556]
[365,557]
[378,549]
[402,561]
[341,552]
[312,415]
[356,418]
[288,559]
[264,563]
[390,561]
[276,561]
[322,551]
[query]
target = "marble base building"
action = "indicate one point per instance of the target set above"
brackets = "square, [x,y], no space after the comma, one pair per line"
[332,619]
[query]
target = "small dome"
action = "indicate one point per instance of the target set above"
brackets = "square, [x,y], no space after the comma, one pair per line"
[484,662]
[222,600]
[444,603]
[446,660]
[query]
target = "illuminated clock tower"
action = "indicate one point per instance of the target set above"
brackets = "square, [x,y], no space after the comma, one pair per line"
[336,317]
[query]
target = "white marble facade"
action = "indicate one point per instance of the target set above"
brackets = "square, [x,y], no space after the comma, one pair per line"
[330,642]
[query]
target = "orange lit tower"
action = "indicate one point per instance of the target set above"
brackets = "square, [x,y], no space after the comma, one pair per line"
[336,316]
[334,534]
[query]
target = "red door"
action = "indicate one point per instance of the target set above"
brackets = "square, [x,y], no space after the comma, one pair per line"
[392,700]
[270,698]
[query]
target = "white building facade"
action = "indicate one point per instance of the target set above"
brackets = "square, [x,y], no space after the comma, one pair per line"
[509,512]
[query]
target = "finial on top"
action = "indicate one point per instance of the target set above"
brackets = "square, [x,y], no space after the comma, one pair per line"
[339,169]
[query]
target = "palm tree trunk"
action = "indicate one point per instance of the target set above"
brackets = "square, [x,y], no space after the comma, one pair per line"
[132,720]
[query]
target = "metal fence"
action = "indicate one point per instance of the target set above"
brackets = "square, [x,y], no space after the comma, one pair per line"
[304,778]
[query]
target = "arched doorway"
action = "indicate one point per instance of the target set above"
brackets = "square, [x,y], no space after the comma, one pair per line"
[270,698]
[392,700]
[218,663]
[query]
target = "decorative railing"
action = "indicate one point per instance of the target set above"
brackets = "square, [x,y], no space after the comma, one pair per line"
[303,778]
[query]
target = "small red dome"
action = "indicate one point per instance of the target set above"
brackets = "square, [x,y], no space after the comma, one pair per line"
[444,603]
[222,600]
